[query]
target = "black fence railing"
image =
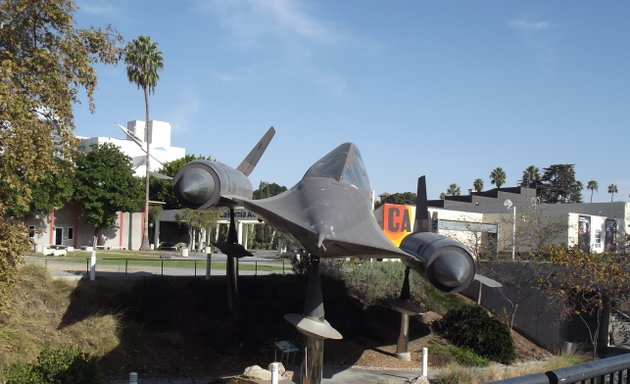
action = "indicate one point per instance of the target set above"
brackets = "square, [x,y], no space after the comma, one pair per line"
[611,370]
[199,267]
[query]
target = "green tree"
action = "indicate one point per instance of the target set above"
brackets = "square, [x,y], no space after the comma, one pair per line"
[45,64]
[401,198]
[559,185]
[593,186]
[265,235]
[201,222]
[104,185]
[144,61]
[497,177]
[55,190]
[453,190]
[478,185]
[612,189]
[531,177]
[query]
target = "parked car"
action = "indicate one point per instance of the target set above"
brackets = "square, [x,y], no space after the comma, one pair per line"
[55,250]
[172,246]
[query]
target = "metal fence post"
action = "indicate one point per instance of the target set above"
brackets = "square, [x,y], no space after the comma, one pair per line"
[208,266]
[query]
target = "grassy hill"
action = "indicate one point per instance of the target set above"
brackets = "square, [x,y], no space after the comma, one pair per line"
[180,326]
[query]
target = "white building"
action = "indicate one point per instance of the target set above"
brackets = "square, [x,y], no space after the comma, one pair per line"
[160,145]
[65,226]
[483,222]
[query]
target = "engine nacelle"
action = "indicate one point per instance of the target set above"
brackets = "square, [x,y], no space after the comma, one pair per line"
[203,184]
[446,263]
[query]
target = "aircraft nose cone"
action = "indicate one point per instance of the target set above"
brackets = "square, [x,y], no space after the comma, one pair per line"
[196,187]
[452,269]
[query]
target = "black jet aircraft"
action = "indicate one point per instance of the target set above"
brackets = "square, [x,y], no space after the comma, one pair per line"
[329,213]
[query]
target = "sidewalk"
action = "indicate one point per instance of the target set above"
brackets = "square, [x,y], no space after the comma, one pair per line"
[332,375]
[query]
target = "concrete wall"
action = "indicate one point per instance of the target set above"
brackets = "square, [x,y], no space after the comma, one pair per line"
[536,317]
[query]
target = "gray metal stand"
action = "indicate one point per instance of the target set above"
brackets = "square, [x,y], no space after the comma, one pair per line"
[313,325]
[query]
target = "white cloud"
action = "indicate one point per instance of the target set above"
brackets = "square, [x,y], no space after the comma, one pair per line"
[257,20]
[527,25]
[538,36]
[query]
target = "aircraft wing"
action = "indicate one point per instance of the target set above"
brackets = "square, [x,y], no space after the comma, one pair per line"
[330,219]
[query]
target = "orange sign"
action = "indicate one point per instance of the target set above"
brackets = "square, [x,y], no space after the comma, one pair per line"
[397,221]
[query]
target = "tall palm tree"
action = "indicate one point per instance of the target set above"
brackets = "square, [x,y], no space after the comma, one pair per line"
[497,177]
[144,60]
[592,185]
[612,189]
[453,190]
[531,175]
[478,185]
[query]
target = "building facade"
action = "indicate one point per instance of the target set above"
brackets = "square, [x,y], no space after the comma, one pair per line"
[65,226]
[513,220]
[132,145]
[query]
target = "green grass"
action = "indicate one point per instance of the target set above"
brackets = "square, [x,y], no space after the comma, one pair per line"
[463,356]
[139,259]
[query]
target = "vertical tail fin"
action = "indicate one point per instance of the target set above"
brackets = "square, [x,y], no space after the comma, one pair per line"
[422,207]
[249,163]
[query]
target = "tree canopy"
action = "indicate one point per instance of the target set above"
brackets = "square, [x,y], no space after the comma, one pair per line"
[55,190]
[478,185]
[265,235]
[497,177]
[582,284]
[45,61]
[401,198]
[105,184]
[593,186]
[453,190]
[531,177]
[612,189]
[558,185]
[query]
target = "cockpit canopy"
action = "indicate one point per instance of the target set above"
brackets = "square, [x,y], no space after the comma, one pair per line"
[343,164]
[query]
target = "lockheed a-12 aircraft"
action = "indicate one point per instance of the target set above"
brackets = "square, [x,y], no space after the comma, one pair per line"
[329,213]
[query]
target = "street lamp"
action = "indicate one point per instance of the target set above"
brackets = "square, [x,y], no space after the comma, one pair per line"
[508,204]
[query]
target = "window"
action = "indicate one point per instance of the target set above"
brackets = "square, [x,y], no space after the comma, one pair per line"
[31,231]
[70,233]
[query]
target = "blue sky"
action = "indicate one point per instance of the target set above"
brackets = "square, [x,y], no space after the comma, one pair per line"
[448,89]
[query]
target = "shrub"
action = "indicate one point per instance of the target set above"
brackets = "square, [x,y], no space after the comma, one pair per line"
[472,327]
[61,365]
[373,282]
[462,355]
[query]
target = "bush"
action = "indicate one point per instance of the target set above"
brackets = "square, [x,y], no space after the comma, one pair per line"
[62,365]
[373,282]
[472,327]
[449,353]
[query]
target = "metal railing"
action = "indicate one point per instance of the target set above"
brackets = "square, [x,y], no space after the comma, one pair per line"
[202,263]
[611,370]
[162,266]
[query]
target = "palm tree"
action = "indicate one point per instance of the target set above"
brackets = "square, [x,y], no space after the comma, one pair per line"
[144,60]
[592,185]
[612,189]
[453,190]
[531,175]
[478,185]
[497,177]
